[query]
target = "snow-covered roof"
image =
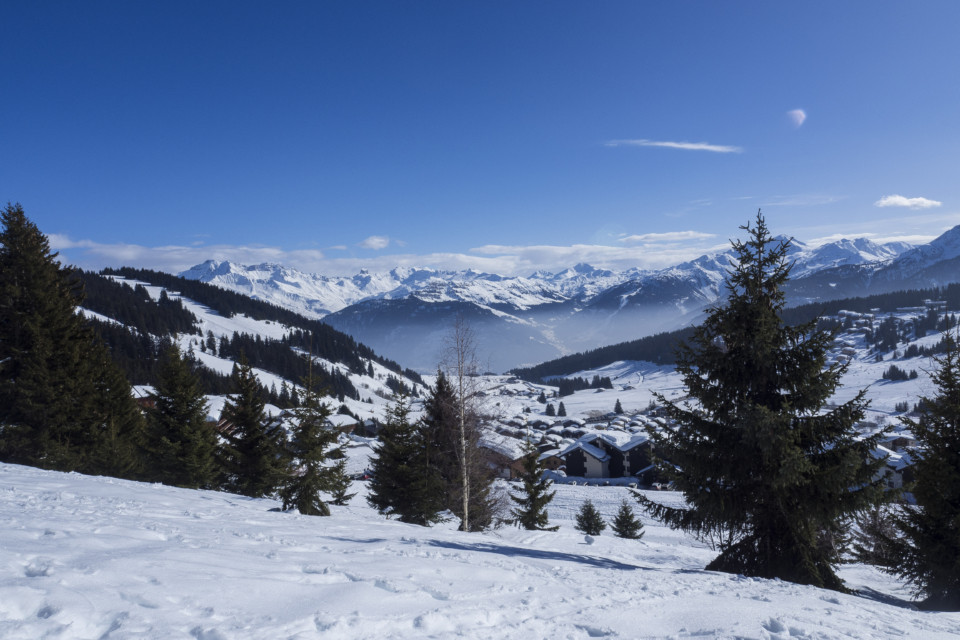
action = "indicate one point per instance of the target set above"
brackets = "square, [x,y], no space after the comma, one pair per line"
[512,448]
[587,448]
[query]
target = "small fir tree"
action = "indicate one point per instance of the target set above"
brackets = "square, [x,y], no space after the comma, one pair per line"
[589,520]
[551,411]
[765,466]
[561,411]
[872,540]
[340,484]
[927,554]
[181,443]
[403,483]
[542,398]
[618,408]
[531,510]
[626,524]
[311,445]
[254,454]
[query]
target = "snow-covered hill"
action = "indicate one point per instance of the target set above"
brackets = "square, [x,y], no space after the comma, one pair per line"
[519,320]
[89,557]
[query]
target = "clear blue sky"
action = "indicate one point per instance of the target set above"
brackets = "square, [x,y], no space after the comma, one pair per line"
[500,135]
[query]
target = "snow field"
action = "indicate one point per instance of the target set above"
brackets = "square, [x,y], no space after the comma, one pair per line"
[90,557]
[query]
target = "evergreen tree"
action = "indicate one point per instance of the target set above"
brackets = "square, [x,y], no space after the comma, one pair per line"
[765,466]
[550,411]
[60,397]
[542,398]
[531,510]
[626,524]
[253,454]
[403,483]
[441,429]
[874,535]
[589,520]
[561,411]
[340,484]
[928,553]
[618,408]
[311,445]
[181,443]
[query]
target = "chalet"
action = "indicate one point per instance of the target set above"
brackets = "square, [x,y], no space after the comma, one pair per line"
[608,455]
[503,453]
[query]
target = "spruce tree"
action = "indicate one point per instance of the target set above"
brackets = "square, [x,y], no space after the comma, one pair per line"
[618,408]
[403,484]
[181,443]
[441,430]
[550,411]
[253,453]
[589,520]
[311,444]
[531,510]
[927,554]
[118,446]
[61,398]
[561,411]
[626,524]
[764,464]
[340,484]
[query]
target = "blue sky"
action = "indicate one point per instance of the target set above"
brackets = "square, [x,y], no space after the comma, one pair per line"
[504,136]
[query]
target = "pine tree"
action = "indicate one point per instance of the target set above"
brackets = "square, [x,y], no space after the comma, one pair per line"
[618,408]
[253,454]
[561,411]
[874,536]
[764,464]
[181,443]
[312,442]
[626,524]
[542,398]
[441,429]
[550,411]
[60,395]
[531,510]
[589,520]
[403,484]
[928,553]
[340,484]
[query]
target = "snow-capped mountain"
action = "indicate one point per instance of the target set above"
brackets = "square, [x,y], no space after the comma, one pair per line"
[404,312]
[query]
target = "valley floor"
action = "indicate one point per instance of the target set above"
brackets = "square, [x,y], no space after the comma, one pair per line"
[89,557]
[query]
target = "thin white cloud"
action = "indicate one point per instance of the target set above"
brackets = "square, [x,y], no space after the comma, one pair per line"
[910,203]
[801,200]
[689,146]
[670,236]
[375,242]
[797,117]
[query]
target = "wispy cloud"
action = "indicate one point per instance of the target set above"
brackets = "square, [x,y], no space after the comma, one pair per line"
[375,242]
[670,236]
[801,200]
[689,146]
[797,117]
[910,203]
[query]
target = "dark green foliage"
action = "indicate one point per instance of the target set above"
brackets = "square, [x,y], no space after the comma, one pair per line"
[441,431]
[404,484]
[253,453]
[618,408]
[340,484]
[542,398]
[873,537]
[567,386]
[896,374]
[181,443]
[313,336]
[902,407]
[134,307]
[626,524]
[61,401]
[550,410]
[531,510]
[928,554]
[589,520]
[766,467]
[561,411]
[311,445]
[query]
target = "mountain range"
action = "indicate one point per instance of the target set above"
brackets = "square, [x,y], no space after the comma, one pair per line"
[406,313]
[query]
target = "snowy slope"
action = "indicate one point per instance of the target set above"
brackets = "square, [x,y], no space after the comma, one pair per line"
[87,557]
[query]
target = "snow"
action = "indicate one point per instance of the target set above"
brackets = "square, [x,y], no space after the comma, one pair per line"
[91,557]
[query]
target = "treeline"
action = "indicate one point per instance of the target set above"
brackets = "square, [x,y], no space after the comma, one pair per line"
[568,386]
[327,342]
[134,307]
[659,348]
